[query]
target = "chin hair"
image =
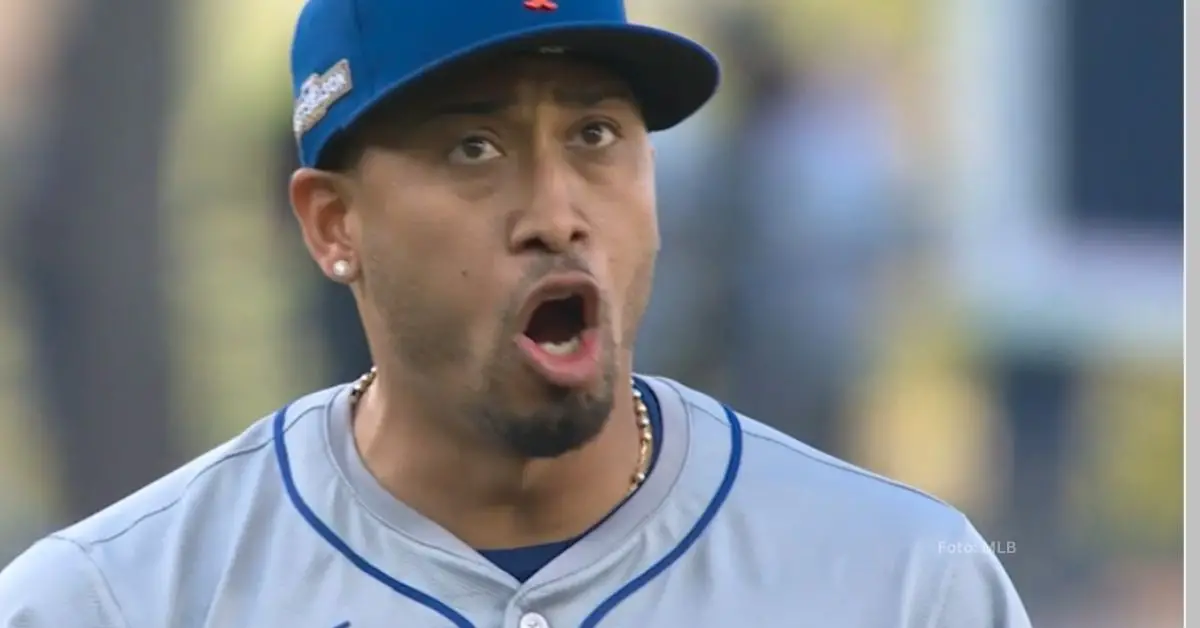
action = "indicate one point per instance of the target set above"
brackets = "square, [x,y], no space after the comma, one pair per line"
[568,421]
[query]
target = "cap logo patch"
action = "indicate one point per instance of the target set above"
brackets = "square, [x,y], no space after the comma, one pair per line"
[541,5]
[317,95]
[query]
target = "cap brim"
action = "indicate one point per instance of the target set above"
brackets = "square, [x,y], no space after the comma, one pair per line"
[671,76]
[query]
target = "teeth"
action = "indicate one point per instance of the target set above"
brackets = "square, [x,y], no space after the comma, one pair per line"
[560,348]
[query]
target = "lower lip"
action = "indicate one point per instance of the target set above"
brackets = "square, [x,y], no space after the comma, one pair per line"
[572,370]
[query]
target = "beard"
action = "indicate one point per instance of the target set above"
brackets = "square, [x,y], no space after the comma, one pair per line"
[529,417]
[493,394]
[554,420]
[561,420]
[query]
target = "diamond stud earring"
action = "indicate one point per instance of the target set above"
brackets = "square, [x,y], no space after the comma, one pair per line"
[341,269]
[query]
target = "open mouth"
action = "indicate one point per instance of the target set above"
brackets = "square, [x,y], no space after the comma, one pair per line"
[560,315]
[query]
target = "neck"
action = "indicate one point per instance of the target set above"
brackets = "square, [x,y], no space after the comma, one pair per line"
[488,498]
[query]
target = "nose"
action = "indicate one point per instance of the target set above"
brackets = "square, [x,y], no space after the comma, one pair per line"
[550,222]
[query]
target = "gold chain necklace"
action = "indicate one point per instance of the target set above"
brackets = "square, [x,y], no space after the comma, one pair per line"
[645,436]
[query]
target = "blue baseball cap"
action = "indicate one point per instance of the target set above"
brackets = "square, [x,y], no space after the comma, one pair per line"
[348,55]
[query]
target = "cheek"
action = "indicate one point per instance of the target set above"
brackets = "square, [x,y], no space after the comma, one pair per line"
[631,221]
[452,247]
[628,229]
[622,190]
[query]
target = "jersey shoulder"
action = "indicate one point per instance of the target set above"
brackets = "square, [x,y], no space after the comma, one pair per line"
[776,466]
[794,507]
[185,525]
[210,488]
[55,583]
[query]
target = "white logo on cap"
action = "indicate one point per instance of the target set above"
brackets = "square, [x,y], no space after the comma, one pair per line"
[317,95]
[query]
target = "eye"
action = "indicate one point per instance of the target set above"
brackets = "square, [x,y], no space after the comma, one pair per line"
[474,150]
[596,135]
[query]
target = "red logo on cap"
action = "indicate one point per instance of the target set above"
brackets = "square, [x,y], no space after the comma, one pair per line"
[541,5]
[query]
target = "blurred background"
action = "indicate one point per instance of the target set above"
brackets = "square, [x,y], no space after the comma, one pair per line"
[940,239]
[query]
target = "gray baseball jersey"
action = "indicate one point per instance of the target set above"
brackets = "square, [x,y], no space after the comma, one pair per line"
[738,525]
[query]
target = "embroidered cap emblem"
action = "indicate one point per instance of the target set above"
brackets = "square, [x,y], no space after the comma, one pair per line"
[317,95]
[541,5]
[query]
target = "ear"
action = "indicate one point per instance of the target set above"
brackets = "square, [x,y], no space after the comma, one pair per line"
[321,202]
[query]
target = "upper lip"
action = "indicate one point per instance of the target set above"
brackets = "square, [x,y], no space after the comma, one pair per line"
[563,286]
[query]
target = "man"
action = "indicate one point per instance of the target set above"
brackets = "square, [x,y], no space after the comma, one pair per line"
[479,175]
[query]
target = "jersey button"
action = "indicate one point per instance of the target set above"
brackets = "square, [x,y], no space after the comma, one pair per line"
[534,620]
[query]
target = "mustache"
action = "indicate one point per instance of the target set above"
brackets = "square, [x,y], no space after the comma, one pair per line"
[539,269]
[552,264]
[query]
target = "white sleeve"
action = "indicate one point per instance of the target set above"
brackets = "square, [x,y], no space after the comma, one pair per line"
[55,584]
[977,592]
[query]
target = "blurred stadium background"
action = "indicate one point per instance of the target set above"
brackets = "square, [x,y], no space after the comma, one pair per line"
[941,239]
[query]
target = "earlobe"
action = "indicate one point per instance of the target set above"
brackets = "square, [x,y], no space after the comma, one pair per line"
[321,206]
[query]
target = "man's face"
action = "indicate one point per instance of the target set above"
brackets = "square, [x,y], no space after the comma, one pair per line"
[505,225]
